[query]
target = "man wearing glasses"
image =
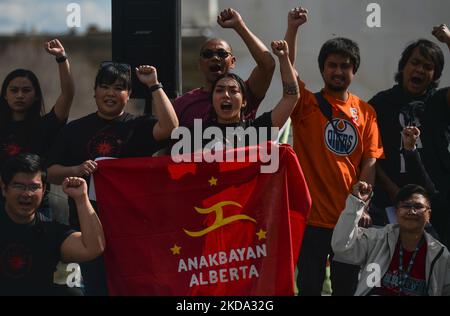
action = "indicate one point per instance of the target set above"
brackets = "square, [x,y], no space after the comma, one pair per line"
[216,58]
[30,244]
[398,259]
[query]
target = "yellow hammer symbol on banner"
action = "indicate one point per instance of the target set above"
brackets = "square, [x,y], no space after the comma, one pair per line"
[219,221]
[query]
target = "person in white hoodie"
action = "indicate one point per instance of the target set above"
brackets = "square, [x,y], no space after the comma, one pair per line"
[398,259]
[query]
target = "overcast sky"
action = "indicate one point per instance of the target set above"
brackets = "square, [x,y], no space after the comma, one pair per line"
[51,15]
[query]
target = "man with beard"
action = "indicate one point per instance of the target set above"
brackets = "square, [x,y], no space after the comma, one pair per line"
[337,144]
[405,104]
[216,59]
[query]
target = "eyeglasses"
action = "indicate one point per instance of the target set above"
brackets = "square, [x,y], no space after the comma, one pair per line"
[209,53]
[419,208]
[120,66]
[33,187]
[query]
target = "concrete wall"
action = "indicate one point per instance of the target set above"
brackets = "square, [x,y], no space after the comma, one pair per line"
[402,21]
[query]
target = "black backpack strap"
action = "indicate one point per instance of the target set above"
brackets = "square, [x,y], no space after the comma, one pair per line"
[324,106]
[326,109]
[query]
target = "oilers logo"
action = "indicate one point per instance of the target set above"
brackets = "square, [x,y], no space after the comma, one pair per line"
[343,143]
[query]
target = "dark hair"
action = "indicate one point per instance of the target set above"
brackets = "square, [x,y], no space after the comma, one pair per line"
[113,72]
[242,86]
[408,190]
[340,46]
[428,50]
[24,162]
[37,108]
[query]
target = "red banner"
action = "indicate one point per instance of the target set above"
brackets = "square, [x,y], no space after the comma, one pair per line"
[221,228]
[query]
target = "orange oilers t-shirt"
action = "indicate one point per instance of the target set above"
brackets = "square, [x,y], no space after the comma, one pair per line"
[331,166]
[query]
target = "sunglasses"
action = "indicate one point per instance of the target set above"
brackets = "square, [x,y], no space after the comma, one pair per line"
[208,53]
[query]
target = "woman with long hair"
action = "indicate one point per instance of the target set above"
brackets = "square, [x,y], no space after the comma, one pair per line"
[24,124]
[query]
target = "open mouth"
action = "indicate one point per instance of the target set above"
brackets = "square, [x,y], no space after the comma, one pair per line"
[215,68]
[226,106]
[417,80]
[110,102]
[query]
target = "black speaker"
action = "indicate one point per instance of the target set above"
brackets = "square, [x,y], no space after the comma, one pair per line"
[148,32]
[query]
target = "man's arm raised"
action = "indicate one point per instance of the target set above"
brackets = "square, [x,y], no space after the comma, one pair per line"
[296,17]
[261,76]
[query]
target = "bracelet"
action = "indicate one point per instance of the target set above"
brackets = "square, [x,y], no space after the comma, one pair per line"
[155,87]
[61,59]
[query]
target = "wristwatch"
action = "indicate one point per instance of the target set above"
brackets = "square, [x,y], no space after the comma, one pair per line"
[61,59]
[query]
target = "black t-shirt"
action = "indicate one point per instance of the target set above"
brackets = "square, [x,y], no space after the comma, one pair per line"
[29,254]
[437,160]
[91,137]
[261,126]
[25,136]
[436,135]
[396,109]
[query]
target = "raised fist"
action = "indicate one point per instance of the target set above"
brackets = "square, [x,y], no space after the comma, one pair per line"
[410,134]
[297,16]
[442,33]
[229,18]
[74,187]
[362,190]
[147,75]
[280,48]
[55,48]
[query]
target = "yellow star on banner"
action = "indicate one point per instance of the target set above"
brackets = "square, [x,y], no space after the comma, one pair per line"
[212,181]
[261,234]
[175,250]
